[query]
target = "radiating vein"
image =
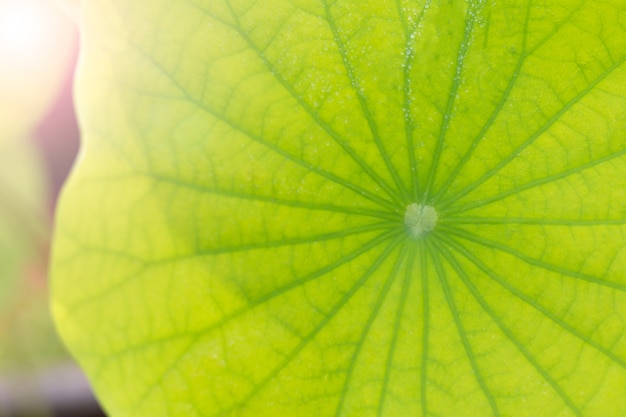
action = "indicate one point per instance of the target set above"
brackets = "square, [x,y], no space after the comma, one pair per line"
[148,264]
[407,103]
[535,221]
[250,305]
[492,244]
[536,183]
[345,146]
[469,352]
[260,140]
[538,133]
[425,330]
[196,334]
[358,90]
[529,301]
[471,13]
[494,114]
[504,98]
[397,324]
[508,332]
[321,325]
[293,241]
[366,330]
[309,205]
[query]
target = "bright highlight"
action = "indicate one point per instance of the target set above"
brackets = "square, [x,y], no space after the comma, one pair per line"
[36,44]
[23,30]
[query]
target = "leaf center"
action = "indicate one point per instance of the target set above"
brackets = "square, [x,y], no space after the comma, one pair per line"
[420,219]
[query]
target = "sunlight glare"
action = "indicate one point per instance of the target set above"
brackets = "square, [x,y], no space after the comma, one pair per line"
[37,42]
[23,30]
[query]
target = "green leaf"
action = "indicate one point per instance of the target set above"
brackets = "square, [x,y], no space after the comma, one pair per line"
[340,208]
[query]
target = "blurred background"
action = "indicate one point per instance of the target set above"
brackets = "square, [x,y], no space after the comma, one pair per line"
[38,143]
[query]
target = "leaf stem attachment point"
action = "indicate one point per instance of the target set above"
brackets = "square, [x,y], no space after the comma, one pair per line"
[420,219]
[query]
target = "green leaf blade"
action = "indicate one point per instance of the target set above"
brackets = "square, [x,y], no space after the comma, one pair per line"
[233,241]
